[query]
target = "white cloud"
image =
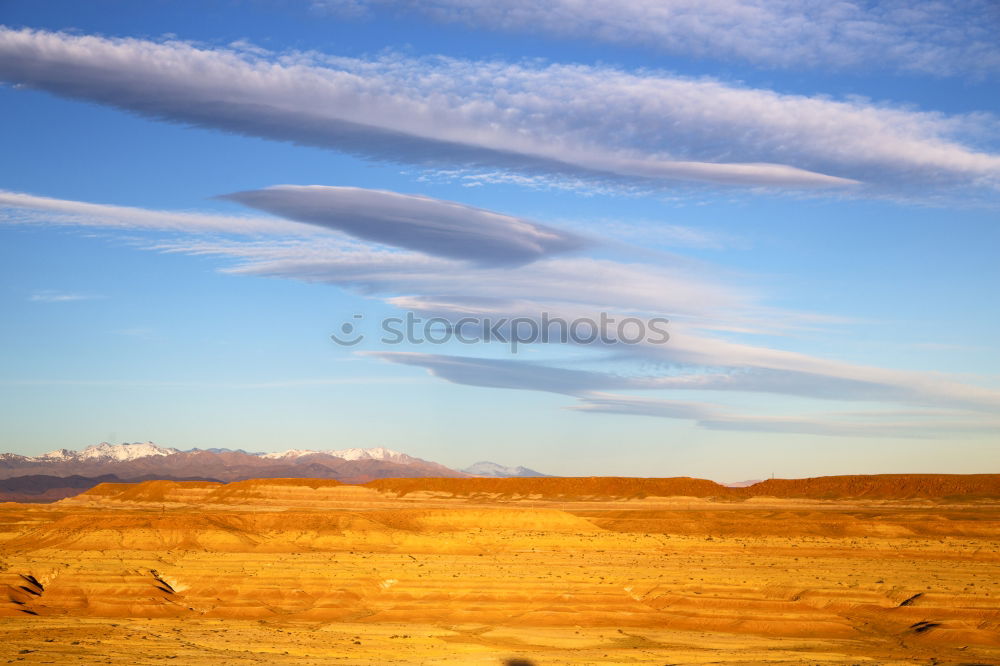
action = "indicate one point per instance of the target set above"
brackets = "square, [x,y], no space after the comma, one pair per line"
[55,296]
[699,304]
[842,381]
[28,209]
[945,38]
[574,286]
[471,177]
[763,369]
[187,385]
[590,389]
[435,227]
[307,252]
[713,417]
[641,128]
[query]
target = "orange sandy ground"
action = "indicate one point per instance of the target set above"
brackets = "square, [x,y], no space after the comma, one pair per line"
[315,573]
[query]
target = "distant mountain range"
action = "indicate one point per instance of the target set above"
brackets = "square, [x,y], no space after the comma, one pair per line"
[742,484]
[106,453]
[64,472]
[492,469]
[35,488]
[127,461]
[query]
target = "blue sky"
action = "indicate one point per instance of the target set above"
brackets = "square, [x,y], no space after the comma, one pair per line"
[807,192]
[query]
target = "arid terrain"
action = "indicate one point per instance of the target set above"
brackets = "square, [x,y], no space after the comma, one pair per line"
[546,571]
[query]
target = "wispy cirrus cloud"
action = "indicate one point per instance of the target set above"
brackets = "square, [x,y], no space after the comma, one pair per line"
[714,417]
[636,128]
[502,373]
[842,381]
[435,227]
[591,390]
[703,307]
[188,385]
[311,252]
[696,358]
[25,208]
[57,296]
[956,38]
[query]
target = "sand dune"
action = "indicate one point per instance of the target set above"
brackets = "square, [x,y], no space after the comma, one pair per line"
[481,571]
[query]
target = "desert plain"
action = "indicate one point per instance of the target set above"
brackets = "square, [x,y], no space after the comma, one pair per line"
[550,571]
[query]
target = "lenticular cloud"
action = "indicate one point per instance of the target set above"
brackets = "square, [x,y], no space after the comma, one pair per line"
[586,122]
[439,228]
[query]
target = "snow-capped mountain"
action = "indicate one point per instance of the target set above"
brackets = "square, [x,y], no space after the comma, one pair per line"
[149,461]
[487,468]
[135,451]
[98,452]
[215,449]
[108,452]
[58,454]
[377,453]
